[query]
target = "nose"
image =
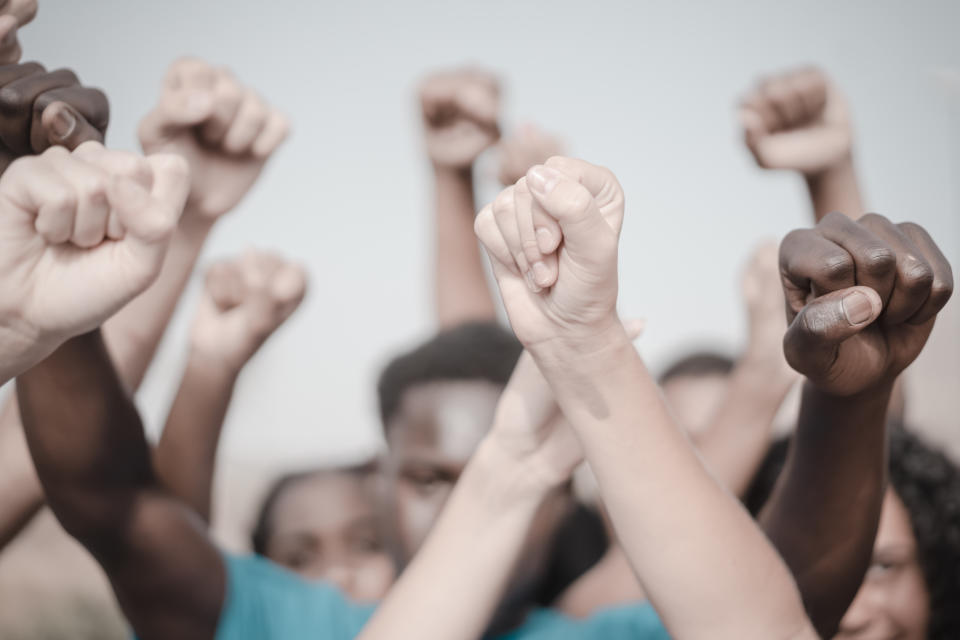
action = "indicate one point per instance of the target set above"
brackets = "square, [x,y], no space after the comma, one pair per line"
[340,575]
[858,617]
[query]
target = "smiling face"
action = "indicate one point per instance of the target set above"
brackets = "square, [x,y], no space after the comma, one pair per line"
[893,602]
[324,526]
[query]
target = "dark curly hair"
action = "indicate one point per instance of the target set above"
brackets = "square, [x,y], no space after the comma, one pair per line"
[472,351]
[928,484]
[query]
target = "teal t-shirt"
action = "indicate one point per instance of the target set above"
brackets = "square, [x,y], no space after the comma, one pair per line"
[266,602]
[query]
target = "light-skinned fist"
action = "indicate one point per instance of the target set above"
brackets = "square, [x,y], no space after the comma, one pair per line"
[81,234]
[460,110]
[529,146]
[797,120]
[244,301]
[763,297]
[224,130]
[552,240]
[862,297]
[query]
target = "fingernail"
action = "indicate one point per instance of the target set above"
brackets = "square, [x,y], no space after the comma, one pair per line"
[857,308]
[541,275]
[531,283]
[542,179]
[62,123]
[545,241]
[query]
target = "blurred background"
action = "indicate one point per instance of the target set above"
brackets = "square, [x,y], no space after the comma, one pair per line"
[647,89]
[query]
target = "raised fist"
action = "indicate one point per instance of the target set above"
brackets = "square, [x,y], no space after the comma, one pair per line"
[460,110]
[763,296]
[13,15]
[81,234]
[245,300]
[224,130]
[552,239]
[529,146]
[40,108]
[862,297]
[797,120]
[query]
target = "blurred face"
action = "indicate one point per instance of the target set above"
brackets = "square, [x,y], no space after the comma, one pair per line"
[893,602]
[430,440]
[693,399]
[324,527]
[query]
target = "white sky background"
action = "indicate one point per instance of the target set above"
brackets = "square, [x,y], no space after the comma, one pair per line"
[647,89]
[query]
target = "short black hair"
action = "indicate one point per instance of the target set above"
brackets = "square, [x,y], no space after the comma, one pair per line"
[928,484]
[263,529]
[696,364]
[472,351]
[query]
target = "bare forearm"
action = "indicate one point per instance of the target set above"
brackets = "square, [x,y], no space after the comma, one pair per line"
[836,189]
[659,495]
[738,436]
[186,454]
[21,495]
[133,335]
[459,575]
[462,291]
[835,477]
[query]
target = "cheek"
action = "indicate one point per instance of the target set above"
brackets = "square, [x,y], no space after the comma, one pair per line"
[910,605]
[373,578]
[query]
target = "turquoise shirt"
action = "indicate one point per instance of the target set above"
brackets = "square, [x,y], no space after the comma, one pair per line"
[265,602]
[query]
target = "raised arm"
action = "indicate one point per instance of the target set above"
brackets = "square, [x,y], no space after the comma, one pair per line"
[738,434]
[660,498]
[862,298]
[243,303]
[460,112]
[800,121]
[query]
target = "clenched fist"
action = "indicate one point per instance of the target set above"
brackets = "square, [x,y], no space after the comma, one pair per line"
[224,130]
[529,146]
[552,239]
[81,234]
[763,295]
[797,120]
[13,15]
[862,297]
[244,302]
[460,110]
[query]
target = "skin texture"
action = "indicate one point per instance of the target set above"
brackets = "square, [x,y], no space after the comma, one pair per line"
[798,120]
[460,108]
[529,146]
[340,542]
[243,303]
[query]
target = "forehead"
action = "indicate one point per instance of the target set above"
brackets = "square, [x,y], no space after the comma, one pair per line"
[895,527]
[325,500]
[445,419]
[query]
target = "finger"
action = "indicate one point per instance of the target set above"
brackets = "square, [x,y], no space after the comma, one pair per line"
[125,164]
[89,182]
[275,131]
[599,181]
[941,288]
[63,126]
[10,50]
[16,105]
[227,96]
[785,100]
[39,187]
[504,213]
[816,147]
[811,85]
[249,123]
[149,217]
[485,226]
[289,286]
[90,103]
[811,266]
[175,112]
[634,327]
[478,103]
[874,260]
[758,103]
[224,285]
[540,272]
[913,275]
[23,10]
[817,332]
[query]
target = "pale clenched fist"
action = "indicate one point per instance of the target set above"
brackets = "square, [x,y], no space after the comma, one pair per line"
[529,146]
[797,120]
[862,297]
[552,239]
[244,301]
[224,130]
[81,234]
[460,110]
[763,296]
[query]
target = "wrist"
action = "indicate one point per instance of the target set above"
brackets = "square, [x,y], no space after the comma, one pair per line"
[213,365]
[766,368]
[501,477]
[842,167]
[194,223]
[585,346]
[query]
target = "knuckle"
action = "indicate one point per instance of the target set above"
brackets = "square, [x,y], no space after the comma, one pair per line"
[877,259]
[837,268]
[915,275]
[12,100]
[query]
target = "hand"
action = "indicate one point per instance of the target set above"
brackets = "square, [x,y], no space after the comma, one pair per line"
[225,131]
[763,295]
[81,234]
[40,108]
[528,147]
[13,15]
[797,120]
[245,300]
[862,297]
[460,111]
[551,288]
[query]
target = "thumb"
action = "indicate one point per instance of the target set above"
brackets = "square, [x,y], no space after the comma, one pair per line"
[150,217]
[816,333]
[176,111]
[66,127]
